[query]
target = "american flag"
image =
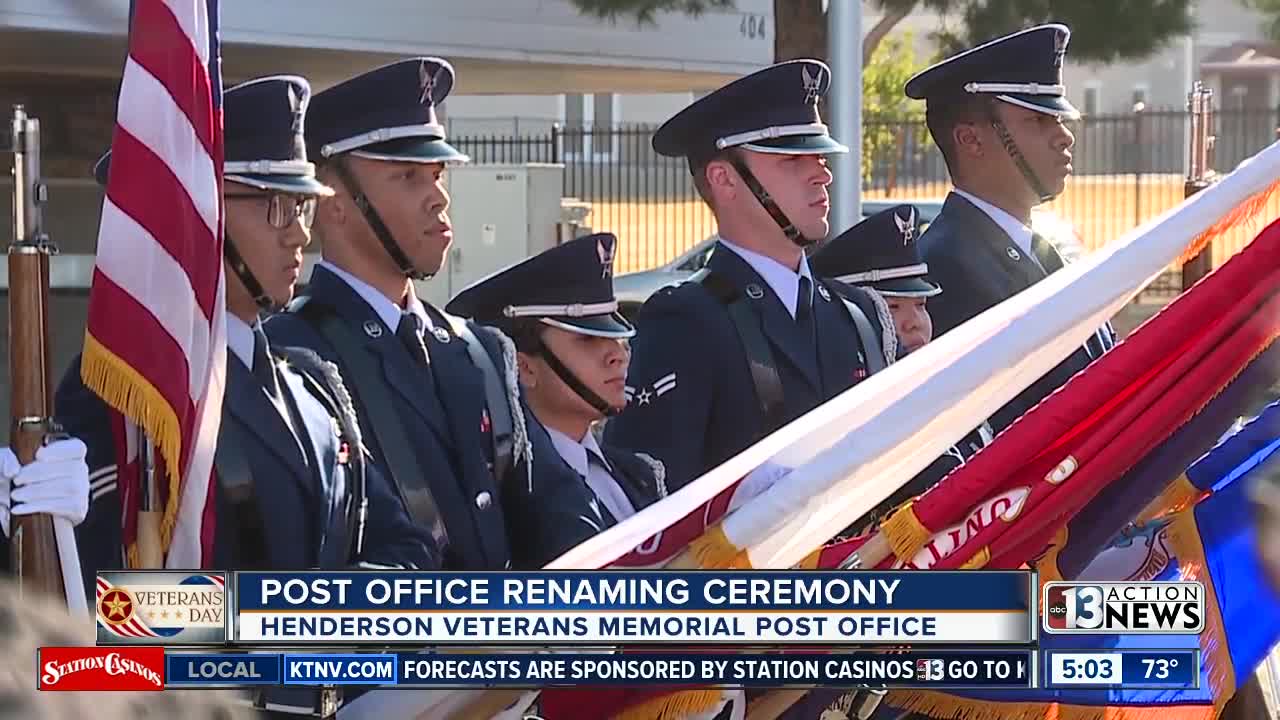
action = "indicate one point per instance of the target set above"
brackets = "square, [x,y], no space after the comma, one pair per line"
[155,346]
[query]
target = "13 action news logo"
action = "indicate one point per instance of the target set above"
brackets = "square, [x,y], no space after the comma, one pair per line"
[1124,607]
[94,668]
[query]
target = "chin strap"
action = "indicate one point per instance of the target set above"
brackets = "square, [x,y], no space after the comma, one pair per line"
[241,269]
[1024,167]
[576,385]
[372,217]
[788,228]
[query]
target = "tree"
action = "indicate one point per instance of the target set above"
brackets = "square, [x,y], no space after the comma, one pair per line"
[889,116]
[1270,11]
[1103,30]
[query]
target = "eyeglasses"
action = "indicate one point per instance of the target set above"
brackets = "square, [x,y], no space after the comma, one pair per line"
[284,208]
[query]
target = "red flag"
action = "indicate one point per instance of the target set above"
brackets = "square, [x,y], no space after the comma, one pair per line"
[1050,463]
[155,346]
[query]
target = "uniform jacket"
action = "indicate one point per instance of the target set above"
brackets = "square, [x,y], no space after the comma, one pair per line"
[302,499]
[693,403]
[444,412]
[977,266]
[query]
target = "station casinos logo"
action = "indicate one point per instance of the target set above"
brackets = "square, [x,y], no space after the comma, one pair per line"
[173,608]
[90,668]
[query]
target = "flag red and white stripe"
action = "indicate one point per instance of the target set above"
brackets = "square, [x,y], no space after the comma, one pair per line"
[155,346]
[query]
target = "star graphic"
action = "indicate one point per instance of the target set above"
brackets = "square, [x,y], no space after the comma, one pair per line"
[165,614]
[115,605]
[644,396]
[151,615]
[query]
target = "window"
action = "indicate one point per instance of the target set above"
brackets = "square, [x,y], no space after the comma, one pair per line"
[588,122]
[1092,99]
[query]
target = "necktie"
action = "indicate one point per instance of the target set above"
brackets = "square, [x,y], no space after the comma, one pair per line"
[263,368]
[410,333]
[804,302]
[1046,253]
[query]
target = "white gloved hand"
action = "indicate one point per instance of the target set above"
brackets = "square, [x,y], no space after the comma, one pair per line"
[56,482]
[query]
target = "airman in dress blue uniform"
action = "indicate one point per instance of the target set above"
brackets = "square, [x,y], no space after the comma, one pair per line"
[435,394]
[998,113]
[571,342]
[752,342]
[294,486]
[880,255]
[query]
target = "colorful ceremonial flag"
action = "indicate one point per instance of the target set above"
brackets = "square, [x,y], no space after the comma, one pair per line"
[155,346]
[1212,542]
[1161,481]
[1051,462]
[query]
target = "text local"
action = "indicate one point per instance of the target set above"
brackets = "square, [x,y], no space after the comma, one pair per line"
[602,591]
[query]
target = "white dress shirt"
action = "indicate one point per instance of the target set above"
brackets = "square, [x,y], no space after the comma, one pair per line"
[240,339]
[784,281]
[1020,234]
[606,488]
[388,311]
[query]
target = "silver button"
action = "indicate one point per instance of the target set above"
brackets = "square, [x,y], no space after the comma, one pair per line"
[484,500]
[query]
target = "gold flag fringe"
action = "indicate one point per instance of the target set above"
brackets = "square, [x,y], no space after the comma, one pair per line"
[979,559]
[1246,212]
[1179,496]
[1184,544]
[905,533]
[712,550]
[675,706]
[128,392]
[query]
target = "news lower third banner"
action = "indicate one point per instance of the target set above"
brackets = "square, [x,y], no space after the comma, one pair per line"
[328,609]
[938,669]
[632,607]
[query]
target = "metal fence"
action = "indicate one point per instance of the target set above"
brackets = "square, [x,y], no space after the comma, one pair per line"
[1128,168]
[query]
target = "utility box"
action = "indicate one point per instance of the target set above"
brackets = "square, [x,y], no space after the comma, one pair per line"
[501,214]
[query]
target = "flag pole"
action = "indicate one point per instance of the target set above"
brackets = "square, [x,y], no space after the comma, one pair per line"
[149,553]
[1199,171]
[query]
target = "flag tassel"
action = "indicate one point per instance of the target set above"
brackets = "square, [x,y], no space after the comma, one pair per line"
[905,533]
[677,705]
[133,396]
[1246,212]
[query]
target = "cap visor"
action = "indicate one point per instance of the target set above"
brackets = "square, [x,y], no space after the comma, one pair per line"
[413,149]
[1049,104]
[798,145]
[907,287]
[612,325]
[300,184]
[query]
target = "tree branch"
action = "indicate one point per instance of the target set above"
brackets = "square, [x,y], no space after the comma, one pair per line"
[883,26]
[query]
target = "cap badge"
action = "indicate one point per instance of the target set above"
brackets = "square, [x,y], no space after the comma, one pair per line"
[906,226]
[1059,48]
[295,107]
[373,328]
[605,252]
[811,85]
[1013,254]
[426,81]
[754,291]
[822,290]
[441,334]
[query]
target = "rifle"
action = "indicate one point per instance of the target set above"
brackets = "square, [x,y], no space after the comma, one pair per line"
[1199,170]
[42,551]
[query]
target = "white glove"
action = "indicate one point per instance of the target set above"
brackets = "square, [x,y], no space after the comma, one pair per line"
[56,482]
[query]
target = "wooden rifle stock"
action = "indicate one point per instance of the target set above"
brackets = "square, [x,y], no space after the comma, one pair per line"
[34,551]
